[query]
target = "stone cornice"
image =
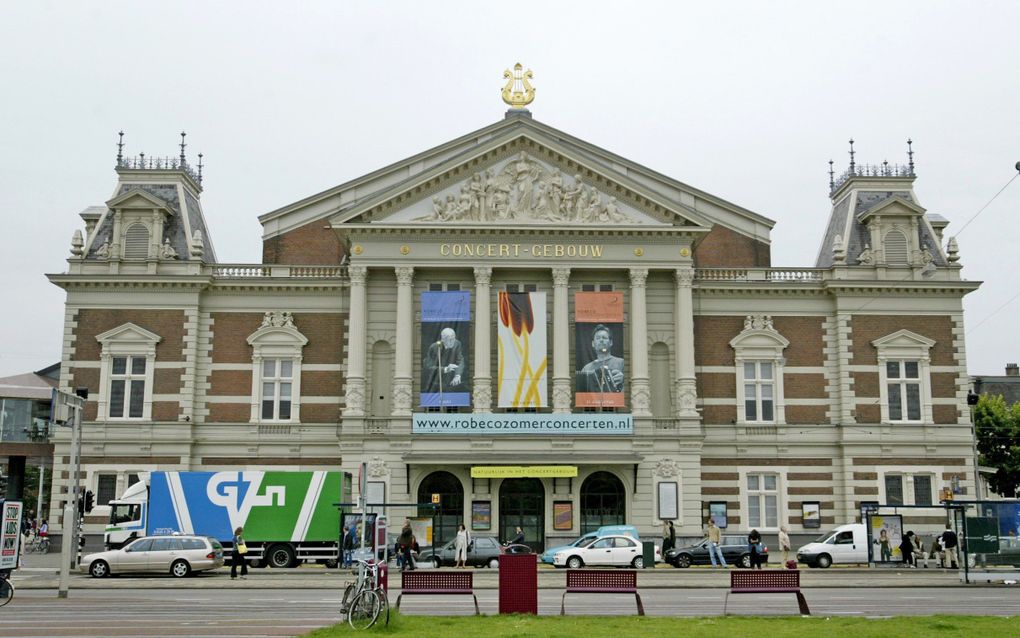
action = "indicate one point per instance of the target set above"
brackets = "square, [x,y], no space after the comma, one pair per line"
[664,234]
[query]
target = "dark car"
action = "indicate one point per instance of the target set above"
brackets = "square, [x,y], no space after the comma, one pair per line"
[483,551]
[734,549]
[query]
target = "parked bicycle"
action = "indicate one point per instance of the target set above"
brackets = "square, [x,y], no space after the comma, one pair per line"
[6,587]
[364,600]
[38,545]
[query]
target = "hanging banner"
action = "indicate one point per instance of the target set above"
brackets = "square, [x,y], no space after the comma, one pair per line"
[522,350]
[598,328]
[445,341]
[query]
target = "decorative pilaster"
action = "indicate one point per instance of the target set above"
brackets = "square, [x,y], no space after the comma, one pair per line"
[483,375]
[403,363]
[686,382]
[640,393]
[561,347]
[356,337]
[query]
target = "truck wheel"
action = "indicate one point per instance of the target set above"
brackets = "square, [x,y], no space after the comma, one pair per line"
[99,569]
[180,568]
[331,563]
[281,556]
[824,560]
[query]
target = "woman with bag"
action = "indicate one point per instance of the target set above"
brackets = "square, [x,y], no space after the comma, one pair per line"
[240,549]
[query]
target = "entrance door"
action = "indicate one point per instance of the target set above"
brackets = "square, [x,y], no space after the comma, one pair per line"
[522,503]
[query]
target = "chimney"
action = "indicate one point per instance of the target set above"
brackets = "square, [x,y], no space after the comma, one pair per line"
[1012,370]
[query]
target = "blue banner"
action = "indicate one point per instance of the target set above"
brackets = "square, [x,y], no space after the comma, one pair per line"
[445,349]
[595,423]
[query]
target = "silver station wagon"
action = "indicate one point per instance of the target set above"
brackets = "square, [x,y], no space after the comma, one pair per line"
[176,555]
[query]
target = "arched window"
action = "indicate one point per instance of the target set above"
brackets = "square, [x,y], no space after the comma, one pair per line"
[602,502]
[895,247]
[136,242]
[451,506]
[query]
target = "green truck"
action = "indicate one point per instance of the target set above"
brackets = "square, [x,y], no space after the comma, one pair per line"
[288,517]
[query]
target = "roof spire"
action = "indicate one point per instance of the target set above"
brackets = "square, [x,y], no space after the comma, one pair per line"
[183,161]
[199,169]
[910,155]
[120,148]
[852,156]
[832,179]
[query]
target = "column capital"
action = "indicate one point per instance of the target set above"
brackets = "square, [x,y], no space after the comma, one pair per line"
[358,275]
[405,275]
[684,276]
[560,276]
[638,277]
[483,275]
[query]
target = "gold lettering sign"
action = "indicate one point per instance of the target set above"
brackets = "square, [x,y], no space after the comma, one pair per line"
[524,471]
[555,251]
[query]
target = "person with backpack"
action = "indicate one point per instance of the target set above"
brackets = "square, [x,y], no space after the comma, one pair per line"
[949,544]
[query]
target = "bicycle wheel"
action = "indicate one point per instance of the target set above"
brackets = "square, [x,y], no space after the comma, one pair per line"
[6,592]
[385,611]
[364,610]
[348,598]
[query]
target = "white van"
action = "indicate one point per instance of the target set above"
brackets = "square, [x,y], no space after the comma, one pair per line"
[845,544]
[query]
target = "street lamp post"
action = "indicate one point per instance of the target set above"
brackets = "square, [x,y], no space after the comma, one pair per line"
[68,408]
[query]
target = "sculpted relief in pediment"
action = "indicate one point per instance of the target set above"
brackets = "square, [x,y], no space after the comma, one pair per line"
[525,190]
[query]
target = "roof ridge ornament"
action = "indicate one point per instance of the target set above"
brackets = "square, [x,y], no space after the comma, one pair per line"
[518,92]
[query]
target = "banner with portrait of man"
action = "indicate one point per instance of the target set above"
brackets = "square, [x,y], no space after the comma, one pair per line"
[445,351]
[598,326]
[523,359]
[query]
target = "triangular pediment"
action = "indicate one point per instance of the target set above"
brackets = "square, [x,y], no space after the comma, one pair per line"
[894,206]
[129,333]
[138,198]
[520,179]
[903,339]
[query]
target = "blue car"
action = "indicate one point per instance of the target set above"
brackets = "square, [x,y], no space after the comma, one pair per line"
[606,530]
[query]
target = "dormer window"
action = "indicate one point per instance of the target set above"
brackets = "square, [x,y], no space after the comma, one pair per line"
[896,251]
[136,242]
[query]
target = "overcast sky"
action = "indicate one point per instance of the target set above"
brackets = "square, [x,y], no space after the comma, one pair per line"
[746,102]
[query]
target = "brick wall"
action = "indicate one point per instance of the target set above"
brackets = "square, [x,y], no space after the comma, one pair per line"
[725,248]
[867,328]
[311,244]
[168,324]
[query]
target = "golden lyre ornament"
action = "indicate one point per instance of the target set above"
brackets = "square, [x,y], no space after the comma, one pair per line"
[518,92]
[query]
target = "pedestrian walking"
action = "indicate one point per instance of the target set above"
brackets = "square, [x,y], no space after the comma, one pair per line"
[668,537]
[405,541]
[714,535]
[949,543]
[784,544]
[348,547]
[237,556]
[754,548]
[461,544]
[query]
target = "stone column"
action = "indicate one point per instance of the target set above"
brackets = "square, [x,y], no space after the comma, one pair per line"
[561,344]
[483,351]
[404,355]
[640,394]
[357,334]
[686,388]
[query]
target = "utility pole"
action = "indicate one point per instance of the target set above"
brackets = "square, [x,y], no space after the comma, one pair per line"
[67,410]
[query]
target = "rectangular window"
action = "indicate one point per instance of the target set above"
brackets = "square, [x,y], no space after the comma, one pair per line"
[759,391]
[762,501]
[106,488]
[277,380]
[922,490]
[127,387]
[894,489]
[903,382]
[597,287]
[441,287]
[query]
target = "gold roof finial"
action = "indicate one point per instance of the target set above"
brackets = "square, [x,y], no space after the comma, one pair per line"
[518,92]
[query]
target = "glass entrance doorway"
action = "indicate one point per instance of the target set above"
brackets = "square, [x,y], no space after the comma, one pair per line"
[522,503]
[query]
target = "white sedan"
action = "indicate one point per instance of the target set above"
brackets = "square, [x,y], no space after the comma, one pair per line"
[615,551]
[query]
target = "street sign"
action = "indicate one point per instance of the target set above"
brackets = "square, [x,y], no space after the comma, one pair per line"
[10,534]
[62,406]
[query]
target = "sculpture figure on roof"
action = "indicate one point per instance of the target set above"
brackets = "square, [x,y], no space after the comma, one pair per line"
[866,258]
[103,252]
[166,251]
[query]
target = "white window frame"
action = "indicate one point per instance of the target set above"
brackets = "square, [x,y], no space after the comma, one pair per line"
[903,346]
[276,342]
[127,340]
[745,497]
[932,472]
[757,345]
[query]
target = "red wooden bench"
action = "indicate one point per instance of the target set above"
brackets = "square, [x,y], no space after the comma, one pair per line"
[435,583]
[602,581]
[767,581]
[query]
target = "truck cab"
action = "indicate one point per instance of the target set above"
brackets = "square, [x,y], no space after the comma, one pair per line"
[128,516]
[845,544]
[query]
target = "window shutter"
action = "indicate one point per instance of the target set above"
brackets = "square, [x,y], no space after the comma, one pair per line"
[136,242]
[896,247]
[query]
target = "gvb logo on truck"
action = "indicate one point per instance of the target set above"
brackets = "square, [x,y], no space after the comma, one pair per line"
[278,506]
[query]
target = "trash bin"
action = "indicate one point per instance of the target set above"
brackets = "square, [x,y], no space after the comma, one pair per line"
[518,584]
[384,576]
[648,554]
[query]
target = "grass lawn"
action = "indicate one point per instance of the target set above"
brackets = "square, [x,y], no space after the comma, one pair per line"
[518,626]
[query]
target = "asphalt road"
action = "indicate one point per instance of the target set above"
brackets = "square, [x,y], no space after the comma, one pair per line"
[247,611]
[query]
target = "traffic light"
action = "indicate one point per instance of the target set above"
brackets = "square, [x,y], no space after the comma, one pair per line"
[90,501]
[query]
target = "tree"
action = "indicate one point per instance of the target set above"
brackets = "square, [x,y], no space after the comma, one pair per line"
[997,427]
